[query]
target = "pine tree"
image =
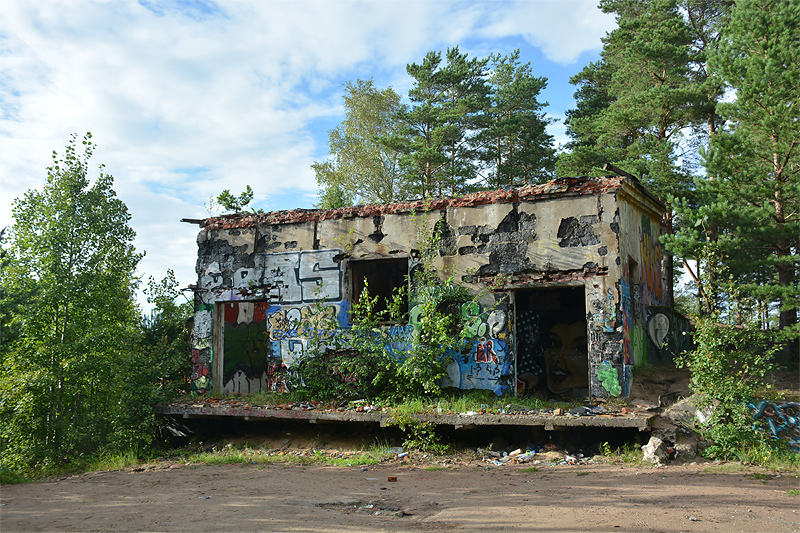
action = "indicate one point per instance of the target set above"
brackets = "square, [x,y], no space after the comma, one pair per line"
[438,129]
[750,211]
[516,146]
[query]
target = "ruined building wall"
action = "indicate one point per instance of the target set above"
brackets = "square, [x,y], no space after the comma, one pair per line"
[648,322]
[260,282]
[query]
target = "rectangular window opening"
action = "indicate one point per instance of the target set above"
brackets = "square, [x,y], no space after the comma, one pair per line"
[383,277]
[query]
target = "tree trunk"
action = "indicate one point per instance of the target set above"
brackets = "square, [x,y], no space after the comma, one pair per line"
[788,317]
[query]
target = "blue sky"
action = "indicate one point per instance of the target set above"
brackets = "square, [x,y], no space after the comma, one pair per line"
[185,98]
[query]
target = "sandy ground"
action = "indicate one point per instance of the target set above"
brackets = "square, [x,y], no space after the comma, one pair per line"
[465,497]
[456,493]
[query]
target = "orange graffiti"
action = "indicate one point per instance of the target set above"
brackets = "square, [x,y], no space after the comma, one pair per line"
[651,262]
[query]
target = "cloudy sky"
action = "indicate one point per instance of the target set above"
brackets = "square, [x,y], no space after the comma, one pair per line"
[185,98]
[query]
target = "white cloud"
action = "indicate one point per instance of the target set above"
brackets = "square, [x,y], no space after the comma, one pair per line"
[564,29]
[185,99]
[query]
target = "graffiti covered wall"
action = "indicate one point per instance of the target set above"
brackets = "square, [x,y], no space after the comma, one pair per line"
[257,318]
[266,283]
[487,362]
[782,419]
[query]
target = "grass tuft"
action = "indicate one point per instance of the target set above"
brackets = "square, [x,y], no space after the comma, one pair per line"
[113,461]
[229,455]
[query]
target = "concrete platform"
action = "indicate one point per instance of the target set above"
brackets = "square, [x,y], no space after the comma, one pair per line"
[550,422]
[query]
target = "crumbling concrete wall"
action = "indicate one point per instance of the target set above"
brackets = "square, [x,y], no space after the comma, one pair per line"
[648,323]
[298,265]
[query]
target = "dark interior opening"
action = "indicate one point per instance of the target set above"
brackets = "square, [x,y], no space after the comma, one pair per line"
[552,344]
[382,276]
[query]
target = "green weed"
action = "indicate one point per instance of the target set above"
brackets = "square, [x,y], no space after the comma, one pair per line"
[605,449]
[630,453]
[419,435]
[113,461]
[726,468]
[9,476]
[230,455]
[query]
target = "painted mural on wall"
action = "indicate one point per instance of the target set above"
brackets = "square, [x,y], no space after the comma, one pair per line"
[553,357]
[486,361]
[781,418]
[651,264]
[289,278]
[290,328]
[648,327]
[604,311]
[246,357]
[260,340]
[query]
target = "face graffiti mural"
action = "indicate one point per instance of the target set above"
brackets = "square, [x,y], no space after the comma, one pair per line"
[566,357]
[553,354]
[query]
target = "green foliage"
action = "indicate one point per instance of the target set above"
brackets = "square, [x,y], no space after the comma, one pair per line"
[734,356]
[728,367]
[470,123]
[11,299]
[630,453]
[648,90]
[260,456]
[155,372]
[515,145]
[72,256]
[378,357]
[332,196]
[361,169]
[420,435]
[78,377]
[113,461]
[473,123]
[235,204]
[605,449]
[318,373]
[750,211]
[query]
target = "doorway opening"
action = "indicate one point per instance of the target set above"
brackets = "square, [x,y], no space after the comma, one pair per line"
[245,364]
[552,344]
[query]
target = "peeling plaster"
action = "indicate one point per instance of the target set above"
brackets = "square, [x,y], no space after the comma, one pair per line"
[552,235]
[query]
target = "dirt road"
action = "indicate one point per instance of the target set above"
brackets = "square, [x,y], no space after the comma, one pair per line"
[469,497]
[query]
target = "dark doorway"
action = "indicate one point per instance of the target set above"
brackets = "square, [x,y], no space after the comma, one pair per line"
[552,346]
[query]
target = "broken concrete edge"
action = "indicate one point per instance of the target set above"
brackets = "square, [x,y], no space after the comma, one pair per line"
[560,187]
[642,422]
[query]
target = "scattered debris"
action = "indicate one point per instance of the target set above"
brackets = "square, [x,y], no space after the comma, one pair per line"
[656,451]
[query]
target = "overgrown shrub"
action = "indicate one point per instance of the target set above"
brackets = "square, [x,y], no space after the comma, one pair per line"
[729,367]
[388,355]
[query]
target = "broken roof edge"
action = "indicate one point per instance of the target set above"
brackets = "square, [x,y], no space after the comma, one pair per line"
[559,187]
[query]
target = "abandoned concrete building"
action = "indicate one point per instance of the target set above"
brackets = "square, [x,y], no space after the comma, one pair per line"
[576,300]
